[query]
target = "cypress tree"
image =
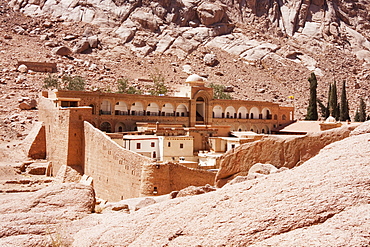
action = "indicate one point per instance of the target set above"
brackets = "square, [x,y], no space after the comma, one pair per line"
[344,109]
[362,111]
[333,101]
[312,104]
[357,116]
[327,110]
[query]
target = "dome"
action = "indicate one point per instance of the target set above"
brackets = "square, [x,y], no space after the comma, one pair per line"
[194,78]
[330,119]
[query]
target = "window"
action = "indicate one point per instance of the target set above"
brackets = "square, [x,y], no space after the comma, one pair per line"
[232,145]
[169,144]
[138,145]
[154,155]
[152,144]
[181,145]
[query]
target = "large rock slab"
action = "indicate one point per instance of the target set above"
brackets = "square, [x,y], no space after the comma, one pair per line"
[326,199]
[39,215]
[278,151]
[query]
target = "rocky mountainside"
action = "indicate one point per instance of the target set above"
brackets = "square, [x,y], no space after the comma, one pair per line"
[264,50]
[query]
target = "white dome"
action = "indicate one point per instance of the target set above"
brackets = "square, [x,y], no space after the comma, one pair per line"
[194,77]
[330,119]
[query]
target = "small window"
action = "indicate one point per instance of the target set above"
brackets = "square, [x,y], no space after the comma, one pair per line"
[232,145]
[154,155]
[138,145]
[181,145]
[169,144]
[152,144]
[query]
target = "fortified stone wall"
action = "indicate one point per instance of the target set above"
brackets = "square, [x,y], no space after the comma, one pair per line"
[116,171]
[56,131]
[160,179]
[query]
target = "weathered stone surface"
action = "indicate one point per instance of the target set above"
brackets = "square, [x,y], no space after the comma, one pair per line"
[62,50]
[144,203]
[145,18]
[210,60]
[23,68]
[283,152]
[93,41]
[37,168]
[325,203]
[81,46]
[39,215]
[194,190]
[210,13]
[362,129]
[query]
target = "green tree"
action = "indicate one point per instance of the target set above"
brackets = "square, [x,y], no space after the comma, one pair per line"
[333,101]
[362,111]
[133,90]
[75,83]
[219,91]
[357,116]
[158,87]
[312,104]
[51,81]
[122,84]
[344,109]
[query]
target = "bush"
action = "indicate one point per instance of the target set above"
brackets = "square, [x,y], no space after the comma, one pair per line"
[219,91]
[51,81]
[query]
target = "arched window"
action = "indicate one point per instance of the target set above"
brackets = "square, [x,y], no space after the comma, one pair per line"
[254,113]
[106,127]
[217,110]
[120,108]
[181,111]
[167,110]
[106,107]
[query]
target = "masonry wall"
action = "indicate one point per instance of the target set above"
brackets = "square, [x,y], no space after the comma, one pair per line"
[116,171]
[160,179]
[56,131]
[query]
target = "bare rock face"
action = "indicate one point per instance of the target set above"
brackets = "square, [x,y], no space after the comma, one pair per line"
[62,51]
[194,190]
[37,216]
[323,201]
[210,13]
[280,152]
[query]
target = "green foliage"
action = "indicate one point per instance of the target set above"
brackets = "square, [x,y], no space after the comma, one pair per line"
[133,90]
[312,104]
[158,87]
[75,83]
[122,85]
[323,109]
[357,116]
[219,91]
[51,81]
[362,111]
[344,109]
[333,101]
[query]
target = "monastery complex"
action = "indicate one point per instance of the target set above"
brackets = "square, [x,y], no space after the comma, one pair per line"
[136,145]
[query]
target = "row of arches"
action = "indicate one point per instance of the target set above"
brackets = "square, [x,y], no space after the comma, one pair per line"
[107,127]
[138,109]
[264,129]
[242,112]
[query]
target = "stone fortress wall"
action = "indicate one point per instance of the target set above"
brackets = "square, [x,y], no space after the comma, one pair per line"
[116,171]
[160,179]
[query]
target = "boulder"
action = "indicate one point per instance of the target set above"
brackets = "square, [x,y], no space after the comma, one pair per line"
[22,68]
[144,203]
[28,104]
[210,13]
[33,219]
[282,152]
[93,41]
[194,190]
[38,168]
[81,46]
[362,129]
[210,60]
[62,51]
[264,169]
[145,18]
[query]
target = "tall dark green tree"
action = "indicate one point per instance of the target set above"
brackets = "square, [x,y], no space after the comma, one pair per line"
[312,104]
[344,109]
[333,101]
[362,111]
[357,116]
[326,112]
